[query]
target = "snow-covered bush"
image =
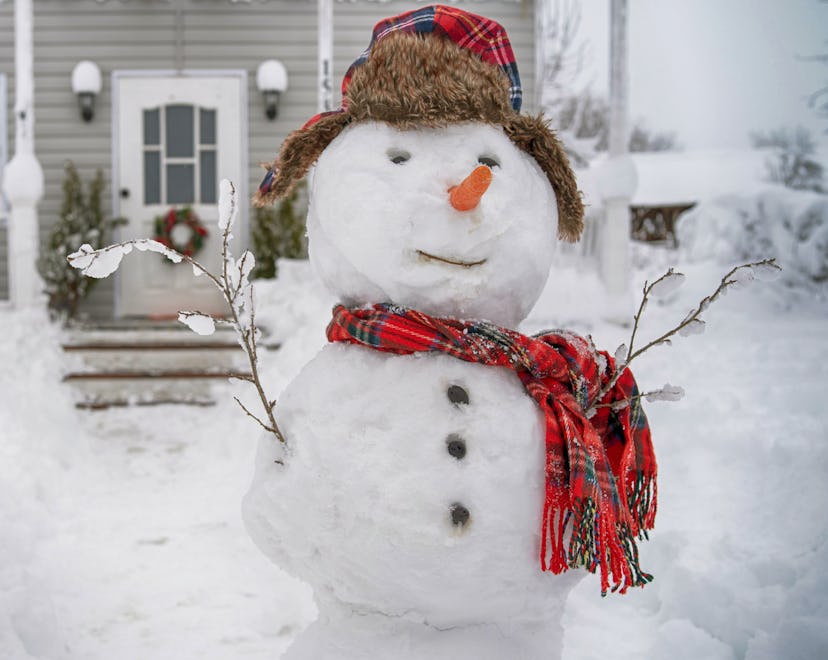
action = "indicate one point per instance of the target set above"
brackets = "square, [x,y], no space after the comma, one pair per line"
[81,221]
[792,159]
[789,224]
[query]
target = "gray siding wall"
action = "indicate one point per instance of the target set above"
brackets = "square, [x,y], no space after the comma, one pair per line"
[194,34]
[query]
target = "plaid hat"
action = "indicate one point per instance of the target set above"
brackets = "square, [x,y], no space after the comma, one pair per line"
[480,35]
[432,67]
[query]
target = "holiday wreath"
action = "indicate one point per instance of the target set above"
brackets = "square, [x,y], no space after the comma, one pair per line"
[165,233]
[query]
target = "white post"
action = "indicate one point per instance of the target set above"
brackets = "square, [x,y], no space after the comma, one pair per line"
[617,178]
[541,12]
[325,20]
[23,176]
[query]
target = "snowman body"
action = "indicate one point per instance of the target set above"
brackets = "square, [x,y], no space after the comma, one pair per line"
[411,489]
[383,451]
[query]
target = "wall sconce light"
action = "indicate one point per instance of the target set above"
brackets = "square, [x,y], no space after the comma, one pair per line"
[271,80]
[86,85]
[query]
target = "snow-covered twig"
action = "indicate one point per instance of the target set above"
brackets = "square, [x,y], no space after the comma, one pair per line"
[692,324]
[666,393]
[233,283]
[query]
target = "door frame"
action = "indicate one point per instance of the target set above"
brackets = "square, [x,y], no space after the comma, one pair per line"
[242,228]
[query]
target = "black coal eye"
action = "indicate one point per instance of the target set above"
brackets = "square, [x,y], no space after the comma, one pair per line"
[398,156]
[488,161]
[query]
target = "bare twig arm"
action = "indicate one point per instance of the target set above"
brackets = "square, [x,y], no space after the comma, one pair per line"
[232,283]
[694,317]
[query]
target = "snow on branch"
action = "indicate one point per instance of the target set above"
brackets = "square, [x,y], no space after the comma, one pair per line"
[105,261]
[692,324]
[233,282]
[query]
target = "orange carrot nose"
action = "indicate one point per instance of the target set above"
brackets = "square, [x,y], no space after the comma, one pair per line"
[467,195]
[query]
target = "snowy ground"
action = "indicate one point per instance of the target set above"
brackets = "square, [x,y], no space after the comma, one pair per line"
[121,534]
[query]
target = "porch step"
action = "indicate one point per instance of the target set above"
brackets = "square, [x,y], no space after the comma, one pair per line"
[150,364]
[144,356]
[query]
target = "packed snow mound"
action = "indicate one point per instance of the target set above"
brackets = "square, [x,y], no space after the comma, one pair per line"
[35,454]
[790,225]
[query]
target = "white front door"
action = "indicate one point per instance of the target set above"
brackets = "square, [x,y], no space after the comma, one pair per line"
[176,138]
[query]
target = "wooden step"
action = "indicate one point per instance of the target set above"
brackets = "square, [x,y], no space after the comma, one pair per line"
[148,356]
[150,364]
[98,390]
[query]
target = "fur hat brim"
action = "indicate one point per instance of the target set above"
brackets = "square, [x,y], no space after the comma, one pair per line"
[412,80]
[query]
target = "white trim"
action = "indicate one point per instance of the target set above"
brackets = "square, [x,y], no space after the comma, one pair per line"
[244,129]
[325,40]
[4,147]
[5,303]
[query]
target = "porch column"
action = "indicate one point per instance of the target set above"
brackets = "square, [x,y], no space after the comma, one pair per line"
[325,48]
[617,178]
[23,176]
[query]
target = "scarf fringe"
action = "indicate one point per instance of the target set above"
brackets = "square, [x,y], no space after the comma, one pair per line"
[597,542]
[642,502]
[556,517]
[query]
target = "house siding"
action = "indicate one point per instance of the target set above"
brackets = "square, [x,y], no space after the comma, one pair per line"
[192,34]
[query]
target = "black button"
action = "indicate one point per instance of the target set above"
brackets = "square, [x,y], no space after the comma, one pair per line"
[457,394]
[459,515]
[456,446]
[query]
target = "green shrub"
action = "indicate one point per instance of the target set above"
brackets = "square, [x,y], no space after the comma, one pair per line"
[279,231]
[81,221]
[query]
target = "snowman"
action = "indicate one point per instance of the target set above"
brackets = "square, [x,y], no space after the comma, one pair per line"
[440,475]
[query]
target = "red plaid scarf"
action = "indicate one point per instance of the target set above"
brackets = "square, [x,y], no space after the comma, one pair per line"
[600,472]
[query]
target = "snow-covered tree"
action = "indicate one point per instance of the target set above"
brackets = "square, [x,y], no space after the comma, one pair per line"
[818,101]
[81,221]
[580,117]
[792,161]
[582,121]
[562,51]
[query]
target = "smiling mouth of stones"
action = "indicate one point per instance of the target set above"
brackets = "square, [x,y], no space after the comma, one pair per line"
[452,262]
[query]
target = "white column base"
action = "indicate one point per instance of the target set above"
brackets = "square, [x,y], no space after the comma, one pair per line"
[23,186]
[25,284]
[614,260]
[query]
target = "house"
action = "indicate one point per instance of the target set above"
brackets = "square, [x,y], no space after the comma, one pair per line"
[179,109]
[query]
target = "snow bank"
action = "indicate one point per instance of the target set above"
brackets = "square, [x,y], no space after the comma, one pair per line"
[775,221]
[144,556]
[120,530]
[35,454]
[740,542]
[684,177]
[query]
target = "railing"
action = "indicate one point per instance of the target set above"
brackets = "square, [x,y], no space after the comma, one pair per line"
[657,224]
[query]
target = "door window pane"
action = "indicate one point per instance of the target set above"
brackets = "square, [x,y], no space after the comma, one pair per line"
[152,127]
[152,177]
[208,177]
[180,184]
[180,131]
[208,126]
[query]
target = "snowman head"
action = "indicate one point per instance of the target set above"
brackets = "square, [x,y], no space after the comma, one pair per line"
[429,110]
